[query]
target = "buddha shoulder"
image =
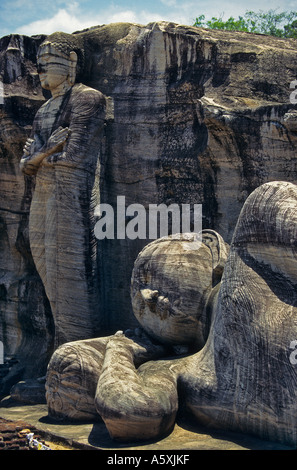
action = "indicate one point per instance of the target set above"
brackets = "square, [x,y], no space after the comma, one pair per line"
[84,93]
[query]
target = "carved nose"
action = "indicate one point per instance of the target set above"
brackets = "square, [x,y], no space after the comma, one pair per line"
[40,68]
[150,296]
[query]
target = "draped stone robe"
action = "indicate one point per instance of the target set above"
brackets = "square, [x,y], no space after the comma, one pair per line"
[62,211]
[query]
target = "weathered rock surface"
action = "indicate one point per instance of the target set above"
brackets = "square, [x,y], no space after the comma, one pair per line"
[174,284]
[199,116]
[63,152]
[244,378]
[75,368]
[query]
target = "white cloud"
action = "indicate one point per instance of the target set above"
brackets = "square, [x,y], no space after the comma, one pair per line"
[68,16]
[142,17]
[61,21]
[70,19]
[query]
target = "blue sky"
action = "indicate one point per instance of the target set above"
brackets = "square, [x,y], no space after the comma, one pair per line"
[40,16]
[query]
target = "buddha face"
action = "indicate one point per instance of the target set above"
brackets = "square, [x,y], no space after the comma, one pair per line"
[170,287]
[55,69]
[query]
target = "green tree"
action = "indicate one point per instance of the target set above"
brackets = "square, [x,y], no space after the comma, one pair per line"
[291,30]
[283,24]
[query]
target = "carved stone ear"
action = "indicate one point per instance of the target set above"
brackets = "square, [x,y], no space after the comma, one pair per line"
[219,250]
[72,70]
[73,57]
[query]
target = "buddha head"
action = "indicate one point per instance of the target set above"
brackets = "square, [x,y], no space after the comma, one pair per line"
[174,285]
[60,60]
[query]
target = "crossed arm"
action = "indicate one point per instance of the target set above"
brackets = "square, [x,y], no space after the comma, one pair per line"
[73,143]
[34,153]
[135,404]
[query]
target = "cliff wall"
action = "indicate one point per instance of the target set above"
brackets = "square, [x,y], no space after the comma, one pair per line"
[198,116]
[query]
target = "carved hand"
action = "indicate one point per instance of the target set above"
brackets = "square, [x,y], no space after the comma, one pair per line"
[57,140]
[27,163]
[142,347]
[28,147]
[32,157]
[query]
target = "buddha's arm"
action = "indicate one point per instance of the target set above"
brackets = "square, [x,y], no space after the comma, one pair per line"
[86,127]
[35,153]
[133,405]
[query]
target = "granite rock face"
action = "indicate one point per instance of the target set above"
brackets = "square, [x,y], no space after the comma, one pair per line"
[175,285]
[25,312]
[196,116]
[63,152]
[243,378]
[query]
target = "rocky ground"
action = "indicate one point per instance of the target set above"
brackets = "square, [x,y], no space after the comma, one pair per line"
[14,436]
[186,436]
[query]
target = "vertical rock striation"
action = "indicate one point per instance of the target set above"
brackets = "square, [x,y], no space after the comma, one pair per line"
[25,322]
[199,116]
